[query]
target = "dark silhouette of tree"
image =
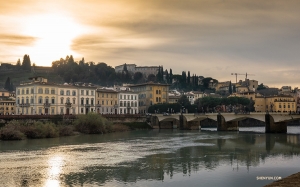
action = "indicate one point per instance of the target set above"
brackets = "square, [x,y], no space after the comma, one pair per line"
[234,89]
[26,64]
[189,78]
[138,77]
[18,65]
[167,76]
[230,88]
[171,77]
[184,101]
[261,87]
[151,78]
[8,85]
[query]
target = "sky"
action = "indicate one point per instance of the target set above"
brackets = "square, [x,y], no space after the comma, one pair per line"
[211,38]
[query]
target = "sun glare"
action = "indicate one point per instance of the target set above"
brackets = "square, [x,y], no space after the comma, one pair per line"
[54,34]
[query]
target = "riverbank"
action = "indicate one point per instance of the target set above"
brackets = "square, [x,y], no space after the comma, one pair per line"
[292,180]
[85,124]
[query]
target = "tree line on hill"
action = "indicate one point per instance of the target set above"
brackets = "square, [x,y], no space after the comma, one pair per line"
[104,75]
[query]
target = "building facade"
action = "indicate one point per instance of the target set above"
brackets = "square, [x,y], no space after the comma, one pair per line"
[40,97]
[7,107]
[150,94]
[128,102]
[106,101]
[282,104]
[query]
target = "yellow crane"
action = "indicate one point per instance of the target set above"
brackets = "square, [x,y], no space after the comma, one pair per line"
[236,74]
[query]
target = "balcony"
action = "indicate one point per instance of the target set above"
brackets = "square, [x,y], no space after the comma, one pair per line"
[46,105]
[68,105]
[24,105]
[87,105]
[98,105]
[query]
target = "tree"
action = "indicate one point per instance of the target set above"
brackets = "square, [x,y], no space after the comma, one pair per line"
[230,88]
[188,78]
[125,68]
[138,77]
[167,76]
[171,77]
[18,65]
[184,101]
[26,64]
[7,84]
[151,78]
[261,87]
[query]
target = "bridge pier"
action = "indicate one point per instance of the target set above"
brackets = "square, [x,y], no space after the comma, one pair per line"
[154,122]
[274,127]
[193,125]
[226,126]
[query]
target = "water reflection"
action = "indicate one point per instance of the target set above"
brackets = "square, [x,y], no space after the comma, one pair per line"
[151,158]
[55,164]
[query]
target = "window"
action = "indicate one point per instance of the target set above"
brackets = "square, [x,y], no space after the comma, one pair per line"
[82,92]
[87,92]
[47,100]
[81,110]
[61,100]
[31,100]
[74,101]
[40,100]
[150,95]
[52,100]
[40,90]
[27,100]
[92,101]
[32,90]
[61,110]
[18,92]
[52,110]
[120,96]
[68,92]
[74,93]
[92,92]
[82,101]
[22,91]
[62,92]
[87,101]
[68,100]
[52,91]
[47,91]
[27,91]
[131,97]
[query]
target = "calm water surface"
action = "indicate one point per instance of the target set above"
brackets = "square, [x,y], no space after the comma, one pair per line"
[152,158]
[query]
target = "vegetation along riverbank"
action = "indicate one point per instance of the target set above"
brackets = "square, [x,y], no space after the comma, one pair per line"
[87,124]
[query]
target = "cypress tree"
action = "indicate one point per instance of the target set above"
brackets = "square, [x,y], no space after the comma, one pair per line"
[171,76]
[230,88]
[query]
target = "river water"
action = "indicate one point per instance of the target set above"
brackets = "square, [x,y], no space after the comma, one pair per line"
[153,158]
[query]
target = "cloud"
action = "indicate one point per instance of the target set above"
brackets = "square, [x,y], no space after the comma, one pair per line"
[16,40]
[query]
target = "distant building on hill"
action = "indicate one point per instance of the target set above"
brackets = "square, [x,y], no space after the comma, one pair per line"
[132,68]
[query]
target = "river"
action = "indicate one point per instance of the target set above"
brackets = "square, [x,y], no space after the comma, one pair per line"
[153,158]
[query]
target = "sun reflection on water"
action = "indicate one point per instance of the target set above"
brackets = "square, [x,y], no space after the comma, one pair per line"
[55,164]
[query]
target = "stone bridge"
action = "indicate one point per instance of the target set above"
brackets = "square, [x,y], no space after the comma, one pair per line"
[275,122]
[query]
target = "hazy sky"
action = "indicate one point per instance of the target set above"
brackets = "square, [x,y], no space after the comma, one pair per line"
[212,38]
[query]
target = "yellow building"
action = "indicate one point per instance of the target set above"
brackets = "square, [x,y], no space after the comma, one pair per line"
[281,103]
[150,94]
[4,93]
[106,101]
[7,107]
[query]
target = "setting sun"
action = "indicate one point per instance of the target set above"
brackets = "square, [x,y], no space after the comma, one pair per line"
[54,34]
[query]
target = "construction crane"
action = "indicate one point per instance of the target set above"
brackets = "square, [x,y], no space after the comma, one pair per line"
[236,74]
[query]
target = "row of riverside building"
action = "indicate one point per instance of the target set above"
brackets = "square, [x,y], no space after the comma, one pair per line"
[38,96]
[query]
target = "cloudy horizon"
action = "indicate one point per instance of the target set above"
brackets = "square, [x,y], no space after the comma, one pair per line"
[211,38]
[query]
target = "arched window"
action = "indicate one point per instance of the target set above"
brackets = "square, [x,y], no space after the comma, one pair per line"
[62,100]
[47,100]
[40,100]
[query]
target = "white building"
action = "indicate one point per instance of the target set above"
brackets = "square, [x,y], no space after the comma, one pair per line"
[128,102]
